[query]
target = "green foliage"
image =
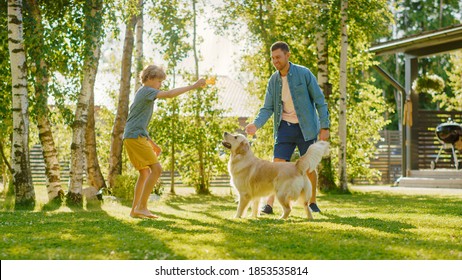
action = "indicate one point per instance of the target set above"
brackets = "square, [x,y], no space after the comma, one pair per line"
[62,35]
[5,80]
[203,134]
[454,101]
[419,16]
[103,127]
[432,84]
[430,88]
[124,186]
[263,141]
[173,34]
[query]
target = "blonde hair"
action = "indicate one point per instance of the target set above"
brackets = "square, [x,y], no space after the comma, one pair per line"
[152,72]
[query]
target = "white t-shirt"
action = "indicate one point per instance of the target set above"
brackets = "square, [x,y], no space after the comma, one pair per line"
[288,110]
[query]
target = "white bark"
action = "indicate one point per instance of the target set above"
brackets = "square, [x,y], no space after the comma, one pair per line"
[22,178]
[322,55]
[95,177]
[325,182]
[343,97]
[115,158]
[196,56]
[139,46]
[78,158]
[50,154]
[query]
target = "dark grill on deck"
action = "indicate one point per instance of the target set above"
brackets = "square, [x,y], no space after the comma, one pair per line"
[448,134]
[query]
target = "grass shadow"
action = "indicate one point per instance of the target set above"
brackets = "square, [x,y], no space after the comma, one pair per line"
[373,223]
[77,235]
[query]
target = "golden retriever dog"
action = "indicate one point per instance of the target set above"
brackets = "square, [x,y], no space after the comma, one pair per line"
[255,178]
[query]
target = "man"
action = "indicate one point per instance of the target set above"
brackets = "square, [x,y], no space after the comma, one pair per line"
[299,110]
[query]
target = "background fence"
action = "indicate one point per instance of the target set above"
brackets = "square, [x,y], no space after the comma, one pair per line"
[387,159]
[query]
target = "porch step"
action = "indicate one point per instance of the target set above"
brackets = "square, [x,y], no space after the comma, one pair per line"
[430,183]
[436,173]
[438,178]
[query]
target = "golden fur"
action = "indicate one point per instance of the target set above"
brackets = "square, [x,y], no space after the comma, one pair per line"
[255,178]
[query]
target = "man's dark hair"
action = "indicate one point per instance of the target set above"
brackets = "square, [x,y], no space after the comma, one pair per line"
[280,45]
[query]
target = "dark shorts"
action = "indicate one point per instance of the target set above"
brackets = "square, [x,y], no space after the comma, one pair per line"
[290,136]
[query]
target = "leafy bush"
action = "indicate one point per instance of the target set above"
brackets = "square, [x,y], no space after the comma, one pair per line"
[124,186]
[432,84]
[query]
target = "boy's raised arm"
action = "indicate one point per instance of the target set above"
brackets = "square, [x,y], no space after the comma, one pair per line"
[177,91]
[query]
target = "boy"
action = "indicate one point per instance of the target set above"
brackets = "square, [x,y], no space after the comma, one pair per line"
[141,150]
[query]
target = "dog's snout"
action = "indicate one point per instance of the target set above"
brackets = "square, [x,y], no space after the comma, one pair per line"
[225,134]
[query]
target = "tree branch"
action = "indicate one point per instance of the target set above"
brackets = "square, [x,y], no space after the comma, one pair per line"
[5,159]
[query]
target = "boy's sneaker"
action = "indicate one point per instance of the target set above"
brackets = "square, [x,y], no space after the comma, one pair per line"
[314,207]
[267,209]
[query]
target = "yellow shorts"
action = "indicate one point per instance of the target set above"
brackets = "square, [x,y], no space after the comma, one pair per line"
[140,152]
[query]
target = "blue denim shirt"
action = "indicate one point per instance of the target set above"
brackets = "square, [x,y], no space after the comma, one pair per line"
[309,102]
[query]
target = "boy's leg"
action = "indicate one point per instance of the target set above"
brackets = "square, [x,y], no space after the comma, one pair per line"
[151,180]
[144,174]
[144,158]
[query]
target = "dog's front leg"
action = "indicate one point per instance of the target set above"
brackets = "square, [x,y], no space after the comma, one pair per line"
[256,207]
[242,206]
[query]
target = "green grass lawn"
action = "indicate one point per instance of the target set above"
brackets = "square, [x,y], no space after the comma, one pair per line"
[364,225]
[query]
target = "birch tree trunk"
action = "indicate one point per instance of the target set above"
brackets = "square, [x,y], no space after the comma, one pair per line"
[139,45]
[50,154]
[174,136]
[196,57]
[202,188]
[95,178]
[343,97]
[323,70]
[326,178]
[115,159]
[22,178]
[93,29]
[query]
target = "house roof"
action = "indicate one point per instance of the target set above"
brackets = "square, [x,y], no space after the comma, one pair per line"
[233,98]
[423,44]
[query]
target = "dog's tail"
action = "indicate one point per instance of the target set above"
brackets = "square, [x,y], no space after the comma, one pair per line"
[310,160]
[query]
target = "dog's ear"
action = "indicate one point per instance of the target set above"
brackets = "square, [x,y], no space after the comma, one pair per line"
[243,148]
